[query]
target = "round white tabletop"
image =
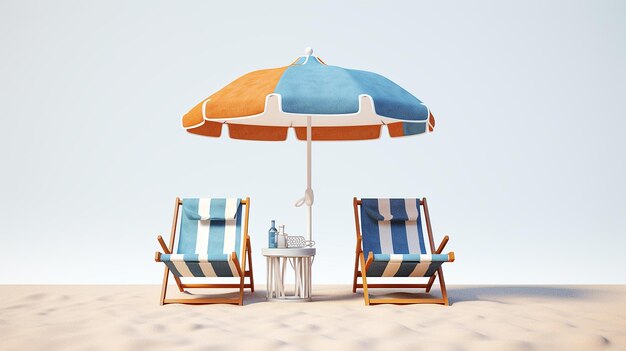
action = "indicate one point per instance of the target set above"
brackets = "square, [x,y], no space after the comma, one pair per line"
[289,252]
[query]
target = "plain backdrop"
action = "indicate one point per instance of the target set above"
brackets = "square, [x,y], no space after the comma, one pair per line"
[525,170]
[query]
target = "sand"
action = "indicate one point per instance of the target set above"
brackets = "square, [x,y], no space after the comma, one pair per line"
[90,317]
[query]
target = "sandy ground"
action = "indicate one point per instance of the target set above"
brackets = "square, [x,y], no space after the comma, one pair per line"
[90,317]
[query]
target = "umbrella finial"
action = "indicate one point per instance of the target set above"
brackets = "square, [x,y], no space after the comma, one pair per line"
[308,51]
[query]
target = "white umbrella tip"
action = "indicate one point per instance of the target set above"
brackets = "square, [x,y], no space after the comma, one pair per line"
[308,51]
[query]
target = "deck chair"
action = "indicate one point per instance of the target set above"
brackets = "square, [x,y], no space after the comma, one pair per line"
[211,243]
[390,234]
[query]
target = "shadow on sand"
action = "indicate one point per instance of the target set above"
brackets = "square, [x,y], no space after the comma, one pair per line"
[499,293]
[458,293]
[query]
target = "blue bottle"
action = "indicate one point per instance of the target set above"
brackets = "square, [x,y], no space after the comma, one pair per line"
[272,235]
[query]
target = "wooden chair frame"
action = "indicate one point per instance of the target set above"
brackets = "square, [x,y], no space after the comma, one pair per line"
[360,258]
[247,258]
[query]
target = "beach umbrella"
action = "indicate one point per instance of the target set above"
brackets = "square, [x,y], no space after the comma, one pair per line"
[319,101]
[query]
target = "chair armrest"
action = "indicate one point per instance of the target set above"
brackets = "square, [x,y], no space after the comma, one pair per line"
[370,259]
[163,246]
[442,245]
[451,257]
[157,256]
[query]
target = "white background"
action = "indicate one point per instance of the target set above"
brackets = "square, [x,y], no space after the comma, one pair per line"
[525,170]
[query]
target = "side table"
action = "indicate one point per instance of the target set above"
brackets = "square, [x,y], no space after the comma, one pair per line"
[301,260]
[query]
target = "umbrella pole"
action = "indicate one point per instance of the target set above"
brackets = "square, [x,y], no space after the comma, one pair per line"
[309,192]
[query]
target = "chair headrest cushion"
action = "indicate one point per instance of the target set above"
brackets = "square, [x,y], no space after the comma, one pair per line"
[211,209]
[395,210]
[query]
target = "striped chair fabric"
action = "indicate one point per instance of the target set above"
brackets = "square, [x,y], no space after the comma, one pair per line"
[392,230]
[210,230]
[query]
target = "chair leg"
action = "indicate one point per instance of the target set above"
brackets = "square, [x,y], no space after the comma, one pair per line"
[164,287]
[356,271]
[241,282]
[366,295]
[431,280]
[250,267]
[442,283]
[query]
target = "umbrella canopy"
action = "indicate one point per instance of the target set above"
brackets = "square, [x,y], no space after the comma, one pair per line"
[321,102]
[346,105]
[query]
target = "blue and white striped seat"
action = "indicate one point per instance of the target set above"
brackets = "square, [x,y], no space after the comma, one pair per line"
[210,231]
[392,232]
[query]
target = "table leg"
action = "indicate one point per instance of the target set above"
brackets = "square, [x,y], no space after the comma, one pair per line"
[308,277]
[268,284]
[270,272]
[281,286]
[300,271]
[282,275]
[296,286]
[304,278]
[301,276]
[277,276]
